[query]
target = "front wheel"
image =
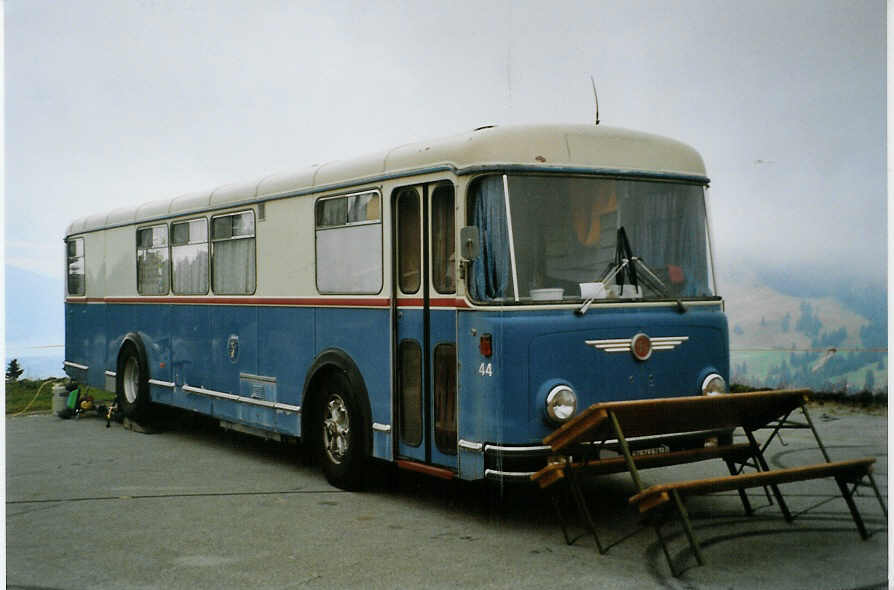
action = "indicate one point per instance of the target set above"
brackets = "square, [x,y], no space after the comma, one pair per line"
[342,440]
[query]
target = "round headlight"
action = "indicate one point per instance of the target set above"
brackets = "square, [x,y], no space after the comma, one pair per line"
[561,402]
[713,385]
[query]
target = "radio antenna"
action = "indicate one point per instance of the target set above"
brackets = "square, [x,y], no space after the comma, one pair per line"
[595,99]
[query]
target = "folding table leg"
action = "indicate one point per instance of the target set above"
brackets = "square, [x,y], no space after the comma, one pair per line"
[670,562]
[687,526]
[878,494]
[556,502]
[742,495]
[855,514]
[776,493]
[582,507]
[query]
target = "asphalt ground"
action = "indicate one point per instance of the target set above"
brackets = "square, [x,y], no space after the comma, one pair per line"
[197,507]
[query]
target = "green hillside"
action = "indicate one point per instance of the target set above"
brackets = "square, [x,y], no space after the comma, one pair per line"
[827,343]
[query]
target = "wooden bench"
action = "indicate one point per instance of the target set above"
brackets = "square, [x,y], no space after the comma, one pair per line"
[672,416]
[844,472]
[557,468]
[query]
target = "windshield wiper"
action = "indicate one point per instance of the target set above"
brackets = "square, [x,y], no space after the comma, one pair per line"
[625,265]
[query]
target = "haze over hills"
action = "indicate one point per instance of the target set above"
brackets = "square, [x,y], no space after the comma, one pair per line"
[801,327]
[782,327]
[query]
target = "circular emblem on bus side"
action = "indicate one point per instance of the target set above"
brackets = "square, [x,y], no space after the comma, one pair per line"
[233,348]
[641,347]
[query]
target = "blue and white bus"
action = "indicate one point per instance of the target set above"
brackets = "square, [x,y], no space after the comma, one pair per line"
[443,305]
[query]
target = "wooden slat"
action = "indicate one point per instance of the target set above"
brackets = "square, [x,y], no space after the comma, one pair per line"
[553,472]
[582,427]
[671,415]
[854,467]
[549,474]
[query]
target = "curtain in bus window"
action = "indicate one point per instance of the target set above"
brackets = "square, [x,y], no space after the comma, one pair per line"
[442,240]
[152,261]
[234,266]
[75,251]
[409,254]
[349,259]
[490,272]
[190,269]
[666,227]
[152,276]
[189,257]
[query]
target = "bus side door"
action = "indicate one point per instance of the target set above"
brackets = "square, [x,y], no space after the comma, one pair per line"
[425,311]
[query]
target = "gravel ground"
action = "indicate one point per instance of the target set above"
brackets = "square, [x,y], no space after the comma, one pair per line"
[195,507]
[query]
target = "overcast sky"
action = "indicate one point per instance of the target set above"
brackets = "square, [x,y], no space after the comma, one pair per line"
[121,102]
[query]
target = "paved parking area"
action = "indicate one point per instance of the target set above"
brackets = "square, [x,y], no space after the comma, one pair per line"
[196,507]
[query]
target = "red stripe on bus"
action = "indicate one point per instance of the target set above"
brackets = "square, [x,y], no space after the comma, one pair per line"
[263,301]
[274,301]
[417,302]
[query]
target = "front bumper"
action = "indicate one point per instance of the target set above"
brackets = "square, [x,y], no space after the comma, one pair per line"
[520,462]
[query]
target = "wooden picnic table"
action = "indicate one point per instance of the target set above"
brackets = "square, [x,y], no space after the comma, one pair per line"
[578,444]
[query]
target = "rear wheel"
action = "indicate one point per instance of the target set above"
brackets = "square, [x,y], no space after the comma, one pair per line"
[132,385]
[343,440]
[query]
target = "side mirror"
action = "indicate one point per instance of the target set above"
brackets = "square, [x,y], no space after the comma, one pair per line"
[469,246]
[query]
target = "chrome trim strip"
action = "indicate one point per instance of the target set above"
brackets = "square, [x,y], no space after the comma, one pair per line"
[256,402]
[111,374]
[469,445]
[75,365]
[381,427]
[505,449]
[209,392]
[244,400]
[263,378]
[512,474]
[162,383]
[511,239]
[287,408]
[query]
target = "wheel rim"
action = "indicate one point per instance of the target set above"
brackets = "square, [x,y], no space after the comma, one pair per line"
[131,380]
[336,429]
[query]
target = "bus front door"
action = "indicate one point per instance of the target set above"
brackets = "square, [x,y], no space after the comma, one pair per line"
[425,324]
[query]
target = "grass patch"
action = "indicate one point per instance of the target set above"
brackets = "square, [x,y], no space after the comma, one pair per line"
[20,393]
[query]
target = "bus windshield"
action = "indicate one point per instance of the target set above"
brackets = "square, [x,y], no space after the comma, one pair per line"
[564,236]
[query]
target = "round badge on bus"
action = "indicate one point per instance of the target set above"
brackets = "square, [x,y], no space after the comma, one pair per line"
[641,347]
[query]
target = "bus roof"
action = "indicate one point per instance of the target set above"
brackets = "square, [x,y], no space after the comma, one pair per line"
[556,148]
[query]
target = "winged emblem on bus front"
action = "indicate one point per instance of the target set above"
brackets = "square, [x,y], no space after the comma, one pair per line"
[640,345]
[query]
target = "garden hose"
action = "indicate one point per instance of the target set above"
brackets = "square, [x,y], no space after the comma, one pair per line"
[33,399]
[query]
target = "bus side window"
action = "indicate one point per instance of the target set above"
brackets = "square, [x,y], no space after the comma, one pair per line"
[443,241]
[76,271]
[153,270]
[409,262]
[189,257]
[233,254]
[349,244]
[410,358]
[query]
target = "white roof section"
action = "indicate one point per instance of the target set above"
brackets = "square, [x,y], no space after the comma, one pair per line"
[548,147]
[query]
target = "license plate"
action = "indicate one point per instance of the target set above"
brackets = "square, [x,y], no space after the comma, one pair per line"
[659,450]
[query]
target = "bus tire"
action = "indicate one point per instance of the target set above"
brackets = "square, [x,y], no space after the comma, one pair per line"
[342,441]
[132,384]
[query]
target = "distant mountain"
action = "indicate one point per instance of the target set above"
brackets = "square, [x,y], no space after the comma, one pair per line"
[802,331]
[34,309]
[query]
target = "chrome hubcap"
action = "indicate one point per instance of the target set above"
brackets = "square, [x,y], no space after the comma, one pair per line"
[336,429]
[131,380]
